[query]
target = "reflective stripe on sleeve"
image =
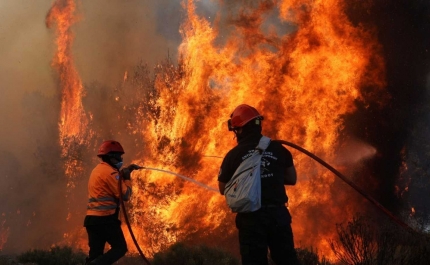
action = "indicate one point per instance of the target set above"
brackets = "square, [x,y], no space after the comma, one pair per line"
[102,207]
[102,199]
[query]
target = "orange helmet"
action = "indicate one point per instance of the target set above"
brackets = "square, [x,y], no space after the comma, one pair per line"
[241,115]
[110,146]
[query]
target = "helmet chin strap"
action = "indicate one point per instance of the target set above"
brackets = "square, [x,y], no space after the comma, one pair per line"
[235,135]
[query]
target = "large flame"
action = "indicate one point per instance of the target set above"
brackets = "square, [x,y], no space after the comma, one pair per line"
[303,80]
[73,121]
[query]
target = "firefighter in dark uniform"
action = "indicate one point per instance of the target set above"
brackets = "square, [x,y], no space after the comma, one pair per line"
[102,222]
[270,226]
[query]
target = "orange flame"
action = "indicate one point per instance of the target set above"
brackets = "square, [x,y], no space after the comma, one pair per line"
[302,81]
[73,120]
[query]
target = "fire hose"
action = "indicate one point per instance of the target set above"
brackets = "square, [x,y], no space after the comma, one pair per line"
[124,212]
[350,183]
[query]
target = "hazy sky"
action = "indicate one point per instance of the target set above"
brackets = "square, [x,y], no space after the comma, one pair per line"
[111,38]
[26,51]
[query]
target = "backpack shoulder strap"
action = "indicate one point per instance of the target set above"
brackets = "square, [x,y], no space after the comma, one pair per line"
[246,165]
[263,144]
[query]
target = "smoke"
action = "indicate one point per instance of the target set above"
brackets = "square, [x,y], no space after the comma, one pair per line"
[23,67]
[113,37]
[27,118]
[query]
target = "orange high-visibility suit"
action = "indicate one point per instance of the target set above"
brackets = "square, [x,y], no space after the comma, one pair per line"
[103,191]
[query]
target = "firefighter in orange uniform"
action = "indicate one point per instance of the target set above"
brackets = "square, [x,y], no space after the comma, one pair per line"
[102,222]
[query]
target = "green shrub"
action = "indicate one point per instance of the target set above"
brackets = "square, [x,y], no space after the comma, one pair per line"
[180,254]
[55,256]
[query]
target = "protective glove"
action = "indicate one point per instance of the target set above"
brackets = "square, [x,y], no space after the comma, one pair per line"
[125,173]
[134,167]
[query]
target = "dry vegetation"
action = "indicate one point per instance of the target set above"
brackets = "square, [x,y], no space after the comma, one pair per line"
[359,242]
[363,241]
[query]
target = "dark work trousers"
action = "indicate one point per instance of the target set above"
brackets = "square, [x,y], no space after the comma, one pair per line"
[98,235]
[267,228]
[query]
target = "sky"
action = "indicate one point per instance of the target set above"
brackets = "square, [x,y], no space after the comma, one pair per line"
[26,49]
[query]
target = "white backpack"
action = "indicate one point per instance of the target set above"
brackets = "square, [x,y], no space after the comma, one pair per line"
[243,191]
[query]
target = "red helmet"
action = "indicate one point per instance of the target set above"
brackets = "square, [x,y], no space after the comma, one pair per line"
[242,115]
[110,146]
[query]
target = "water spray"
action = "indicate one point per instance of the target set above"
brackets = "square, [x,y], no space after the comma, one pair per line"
[183,177]
[350,183]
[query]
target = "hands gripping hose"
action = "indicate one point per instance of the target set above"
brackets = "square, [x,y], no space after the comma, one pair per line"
[130,168]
